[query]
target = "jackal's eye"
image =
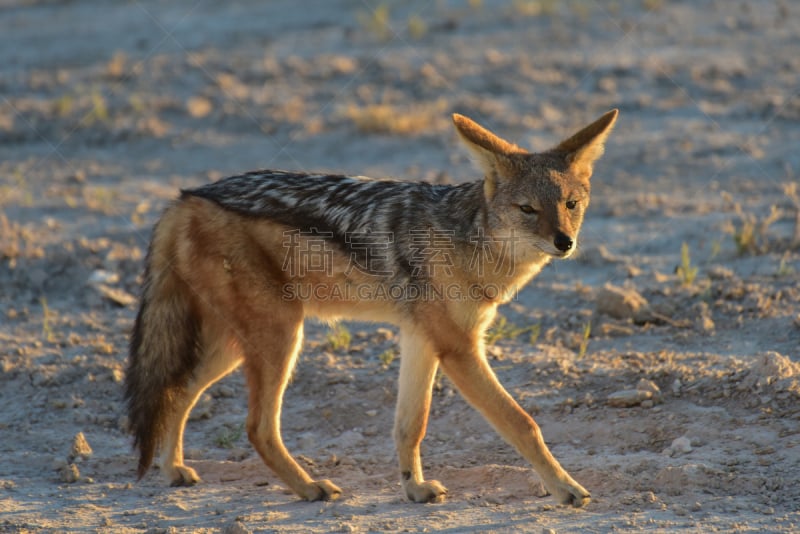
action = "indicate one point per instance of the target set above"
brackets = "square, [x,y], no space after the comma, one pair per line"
[526,208]
[571,204]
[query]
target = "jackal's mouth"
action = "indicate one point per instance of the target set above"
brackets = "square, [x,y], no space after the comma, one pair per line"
[561,255]
[552,250]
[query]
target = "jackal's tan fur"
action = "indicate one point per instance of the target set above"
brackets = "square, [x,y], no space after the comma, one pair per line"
[225,284]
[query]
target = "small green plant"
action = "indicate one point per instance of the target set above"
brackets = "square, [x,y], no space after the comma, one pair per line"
[653,5]
[99,112]
[504,329]
[377,21]
[417,27]
[536,331]
[784,269]
[227,438]
[534,8]
[339,337]
[47,328]
[686,273]
[64,105]
[587,331]
[791,191]
[387,118]
[716,248]
[750,232]
[387,357]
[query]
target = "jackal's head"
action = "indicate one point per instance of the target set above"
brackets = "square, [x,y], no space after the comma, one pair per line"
[537,199]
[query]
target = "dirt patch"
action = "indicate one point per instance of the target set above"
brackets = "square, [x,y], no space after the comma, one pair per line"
[677,407]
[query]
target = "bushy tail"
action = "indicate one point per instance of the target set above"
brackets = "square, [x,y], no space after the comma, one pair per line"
[163,351]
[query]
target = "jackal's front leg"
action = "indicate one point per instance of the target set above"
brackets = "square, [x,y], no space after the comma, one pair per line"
[474,378]
[418,366]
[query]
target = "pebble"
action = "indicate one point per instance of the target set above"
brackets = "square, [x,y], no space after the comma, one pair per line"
[118,296]
[628,398]
[69,474]
[101,276]
[681,445]
[623,303]
[236,528]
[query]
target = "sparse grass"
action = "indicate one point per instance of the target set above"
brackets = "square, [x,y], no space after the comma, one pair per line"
[99,111]
[716,247]
[504,329]
[228,438]
[417,27]
[64,105]
[339,337]
[17,241]
[784,269]
[653,5]
[791,191]
[750,233]
[685,271]
[391,119]
[376,21]
[47,327]
[100,198]
[387,357]
[584,345]
[534,8]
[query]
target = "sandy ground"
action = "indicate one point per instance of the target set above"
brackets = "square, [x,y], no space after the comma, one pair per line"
[679,412]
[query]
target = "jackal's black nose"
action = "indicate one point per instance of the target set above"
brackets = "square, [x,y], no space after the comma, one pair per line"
[563,242]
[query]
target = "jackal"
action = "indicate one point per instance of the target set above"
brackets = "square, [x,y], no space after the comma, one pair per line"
[235,266]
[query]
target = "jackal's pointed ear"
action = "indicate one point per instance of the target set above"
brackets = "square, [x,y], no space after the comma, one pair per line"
[585,147]
[490,150]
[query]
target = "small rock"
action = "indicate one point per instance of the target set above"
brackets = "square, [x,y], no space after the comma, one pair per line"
[236,528]
[681,445]
[623,303]
[648,385]
[101,276]
[224,391]
[80,448]
[69,474]
[718,272]
[384,333]
[199,106]
[118,296]
[628,398]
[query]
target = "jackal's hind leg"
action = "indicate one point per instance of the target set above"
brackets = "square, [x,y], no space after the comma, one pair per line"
[418,366]
[269,358]
[216,361]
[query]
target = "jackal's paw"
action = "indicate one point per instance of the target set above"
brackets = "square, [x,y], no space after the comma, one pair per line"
[428,491]
[321,490]
[180,475]
[570,492]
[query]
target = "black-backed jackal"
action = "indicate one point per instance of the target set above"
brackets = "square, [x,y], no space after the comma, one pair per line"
[235,266]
